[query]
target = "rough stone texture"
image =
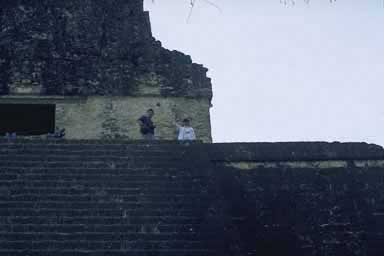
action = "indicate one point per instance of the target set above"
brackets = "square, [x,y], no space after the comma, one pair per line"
[116,117]
[117,197]
[299,198]
[82,198]
[90,47]
[295,151]
[111,117]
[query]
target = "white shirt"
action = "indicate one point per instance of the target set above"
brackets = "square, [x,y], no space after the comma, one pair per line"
[186,133]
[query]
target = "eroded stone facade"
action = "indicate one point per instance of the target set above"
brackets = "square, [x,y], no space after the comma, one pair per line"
[90,47]
[99,56]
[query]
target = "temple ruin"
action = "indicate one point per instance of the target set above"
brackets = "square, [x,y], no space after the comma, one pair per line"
[93,68]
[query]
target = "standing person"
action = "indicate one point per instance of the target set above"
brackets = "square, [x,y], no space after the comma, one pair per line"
[10,135]
[147,128]
[186,132]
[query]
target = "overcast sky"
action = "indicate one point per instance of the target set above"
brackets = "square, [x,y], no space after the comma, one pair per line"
[285,72]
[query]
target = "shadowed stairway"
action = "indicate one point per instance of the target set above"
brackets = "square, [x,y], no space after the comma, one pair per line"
[100,198]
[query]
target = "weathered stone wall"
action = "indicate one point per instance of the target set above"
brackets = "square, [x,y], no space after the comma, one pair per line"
[116,117]
[321,199]
[95,48]
[89,47]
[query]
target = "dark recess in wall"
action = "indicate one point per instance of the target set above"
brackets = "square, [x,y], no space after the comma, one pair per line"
[27,119]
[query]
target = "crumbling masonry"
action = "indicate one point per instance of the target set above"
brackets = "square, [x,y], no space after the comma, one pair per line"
[98,64]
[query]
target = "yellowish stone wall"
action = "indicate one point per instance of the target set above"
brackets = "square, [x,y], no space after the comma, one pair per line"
[325,164]
[116,117]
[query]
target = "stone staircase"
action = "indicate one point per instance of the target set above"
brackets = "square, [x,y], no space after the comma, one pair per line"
[103,198]
[96,198]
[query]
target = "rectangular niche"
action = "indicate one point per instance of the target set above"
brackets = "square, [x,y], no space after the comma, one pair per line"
[27,119]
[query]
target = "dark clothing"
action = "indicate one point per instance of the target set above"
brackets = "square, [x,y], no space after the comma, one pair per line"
[147,126]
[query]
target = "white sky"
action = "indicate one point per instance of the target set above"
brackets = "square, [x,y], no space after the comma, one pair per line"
[281,72]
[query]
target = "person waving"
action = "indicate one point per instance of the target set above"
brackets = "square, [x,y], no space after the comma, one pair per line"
[185,131]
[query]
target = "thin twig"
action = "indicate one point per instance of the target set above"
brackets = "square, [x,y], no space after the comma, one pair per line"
[191,10]
[193,2]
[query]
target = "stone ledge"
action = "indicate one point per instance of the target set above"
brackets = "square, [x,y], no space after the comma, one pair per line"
[245,152]
[97,142]
[293,151]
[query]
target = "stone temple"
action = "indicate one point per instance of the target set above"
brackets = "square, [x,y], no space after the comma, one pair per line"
[92,67]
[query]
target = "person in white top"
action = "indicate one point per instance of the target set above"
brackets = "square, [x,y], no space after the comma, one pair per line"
[185,131]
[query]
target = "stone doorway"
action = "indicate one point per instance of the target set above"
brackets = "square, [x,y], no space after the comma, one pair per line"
[27,119]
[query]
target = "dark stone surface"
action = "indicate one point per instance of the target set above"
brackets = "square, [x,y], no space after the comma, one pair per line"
[162,198]
[101,198]
[294,151]
[279,211]
[89,47]
[298,211]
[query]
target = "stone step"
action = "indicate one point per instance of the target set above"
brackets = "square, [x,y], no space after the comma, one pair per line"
[101,240]
[97,205]
[97,152]
[106,191]
[116,211]
[126,177]
[146,175]
[92,173]
[91,152]
[180,153]
[86,198]
[111,170]
[144,198]
[144,143]
[99,245]
[104,220]
[119,228]
[91,164]
[102,146]
[102,191]
[121,252]
[39,205]
[110,183]
[49,212]
[103,236]
[89,158]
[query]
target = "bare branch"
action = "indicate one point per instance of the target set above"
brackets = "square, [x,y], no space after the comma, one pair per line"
[213,4]
[191,10]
